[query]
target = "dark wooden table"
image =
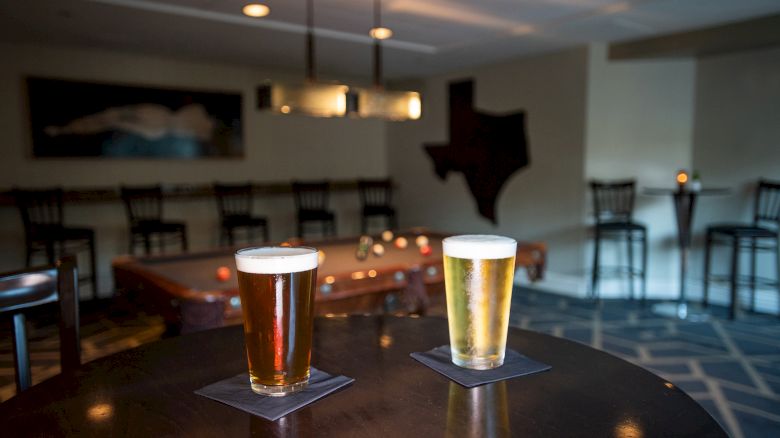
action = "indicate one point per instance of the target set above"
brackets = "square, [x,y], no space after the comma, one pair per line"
[148,391]
[183,288]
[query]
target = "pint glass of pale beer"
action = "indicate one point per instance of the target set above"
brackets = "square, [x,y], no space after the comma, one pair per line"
[277,287]
[478,274]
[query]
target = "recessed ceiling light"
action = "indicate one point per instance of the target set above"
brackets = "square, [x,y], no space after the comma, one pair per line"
[256,10]
[380,33]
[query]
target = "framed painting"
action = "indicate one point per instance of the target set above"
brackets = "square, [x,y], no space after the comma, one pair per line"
[85,119]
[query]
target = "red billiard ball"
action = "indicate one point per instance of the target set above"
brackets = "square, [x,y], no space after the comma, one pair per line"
[223,273]
[426,250]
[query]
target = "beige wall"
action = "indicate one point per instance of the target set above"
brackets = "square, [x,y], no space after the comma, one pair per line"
[541,202]
[736,142]
[640,126]
[278,148]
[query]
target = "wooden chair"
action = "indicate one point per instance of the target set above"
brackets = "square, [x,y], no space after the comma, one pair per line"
[30,288]
[144,213]
[311,204]
[234,203]
[613,208]
[757,237]
[376,197]
[44,230]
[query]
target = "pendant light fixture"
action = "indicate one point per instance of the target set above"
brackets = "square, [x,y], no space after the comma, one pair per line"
[311,98]
[377,101]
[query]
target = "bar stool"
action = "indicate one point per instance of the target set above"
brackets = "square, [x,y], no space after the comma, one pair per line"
[234,202]
[613,208]
[31,288]
[376,198]
[311,204]
[760,236]
[144,213]
[44,230]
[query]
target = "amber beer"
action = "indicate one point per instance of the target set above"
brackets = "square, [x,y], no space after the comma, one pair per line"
[277,287]
[478,275]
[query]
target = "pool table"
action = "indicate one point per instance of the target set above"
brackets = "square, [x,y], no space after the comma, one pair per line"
[186,291]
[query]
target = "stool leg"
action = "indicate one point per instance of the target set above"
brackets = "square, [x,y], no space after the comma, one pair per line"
[777,267]
[363,224]
[753,274]
[230,236]
[595,274]
[147,243]
[266,233]
[734,277]
[28,254]
[184,244]
[300,228]
[707,255]
[21,353]
[93,267]
[630,245]
[644,266]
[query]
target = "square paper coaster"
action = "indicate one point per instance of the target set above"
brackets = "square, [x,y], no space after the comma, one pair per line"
[235,391]
[515,365]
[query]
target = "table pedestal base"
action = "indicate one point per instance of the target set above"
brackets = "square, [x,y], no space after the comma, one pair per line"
[682,311]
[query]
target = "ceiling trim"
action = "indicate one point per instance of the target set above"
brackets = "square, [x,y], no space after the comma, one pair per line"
[733,37]
[264,23]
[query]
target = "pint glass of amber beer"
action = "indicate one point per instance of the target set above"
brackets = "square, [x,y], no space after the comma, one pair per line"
[277,287]
[478,274]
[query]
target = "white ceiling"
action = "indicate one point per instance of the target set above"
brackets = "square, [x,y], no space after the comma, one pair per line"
[431,36]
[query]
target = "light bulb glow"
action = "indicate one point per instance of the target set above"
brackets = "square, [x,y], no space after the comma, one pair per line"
[256,10]
[380,33]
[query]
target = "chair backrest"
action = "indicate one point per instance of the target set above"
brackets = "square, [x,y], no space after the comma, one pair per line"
[35,287]
[767,206]
[233,199]
[142,203]
[375,192]
[39,208]
[311,195]
[613,201]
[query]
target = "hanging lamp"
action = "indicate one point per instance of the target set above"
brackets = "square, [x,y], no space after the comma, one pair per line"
[377,102]
[311,98]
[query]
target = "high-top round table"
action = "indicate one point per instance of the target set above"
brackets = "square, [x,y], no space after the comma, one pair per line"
[148,391]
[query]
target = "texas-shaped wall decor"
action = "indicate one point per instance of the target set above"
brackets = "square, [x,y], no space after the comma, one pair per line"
[486,148]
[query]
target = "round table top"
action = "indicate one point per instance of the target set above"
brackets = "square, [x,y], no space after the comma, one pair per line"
[148,391]
[661,191]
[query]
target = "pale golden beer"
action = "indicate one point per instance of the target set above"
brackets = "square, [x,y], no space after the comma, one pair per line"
[478,275]
[277,286]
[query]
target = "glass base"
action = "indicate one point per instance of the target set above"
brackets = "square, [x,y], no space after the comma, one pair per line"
[478,363]
[278,390]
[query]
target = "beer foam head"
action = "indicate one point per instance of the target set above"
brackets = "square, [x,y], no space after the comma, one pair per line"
[276,259]
[479,246]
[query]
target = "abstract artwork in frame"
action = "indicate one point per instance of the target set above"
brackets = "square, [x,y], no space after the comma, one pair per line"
[85,119]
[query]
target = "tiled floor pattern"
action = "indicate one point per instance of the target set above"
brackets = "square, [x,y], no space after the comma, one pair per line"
[731,368]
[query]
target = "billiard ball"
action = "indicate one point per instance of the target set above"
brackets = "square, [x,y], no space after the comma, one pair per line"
[426,250]
[378,249]
[401,242]
[421,241]
[223,273]
[387,236]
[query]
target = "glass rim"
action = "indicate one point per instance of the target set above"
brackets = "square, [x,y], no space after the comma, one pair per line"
[251,248]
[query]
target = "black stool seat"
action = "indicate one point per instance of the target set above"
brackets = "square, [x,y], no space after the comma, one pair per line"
[378,210]
[59,233]
[621,226]
[144,213]
[742,230]
[234,204]
[153,226]
[759,237]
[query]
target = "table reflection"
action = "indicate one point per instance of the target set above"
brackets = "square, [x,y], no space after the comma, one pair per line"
[295,424]
[478,412]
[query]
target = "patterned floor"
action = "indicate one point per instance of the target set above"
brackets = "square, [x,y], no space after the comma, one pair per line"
[731,368]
